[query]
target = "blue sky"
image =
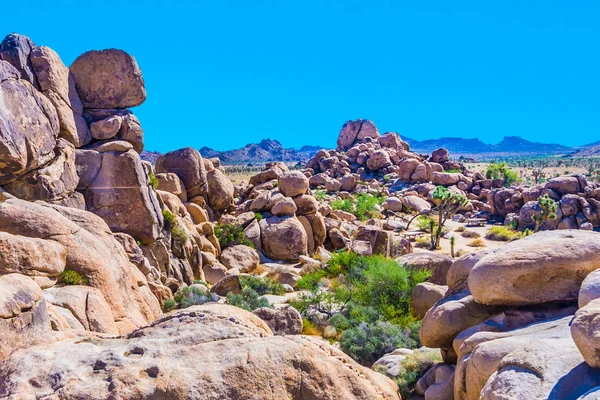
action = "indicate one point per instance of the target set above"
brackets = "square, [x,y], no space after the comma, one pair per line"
[226,73]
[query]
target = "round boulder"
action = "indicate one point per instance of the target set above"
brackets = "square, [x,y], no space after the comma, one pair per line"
[293,183]
[283,238]
[240,256]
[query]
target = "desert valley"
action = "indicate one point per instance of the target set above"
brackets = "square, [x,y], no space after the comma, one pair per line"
[383,268]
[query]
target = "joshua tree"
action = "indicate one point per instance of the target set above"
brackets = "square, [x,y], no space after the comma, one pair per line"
[452,243]
[548,209]
[538,175]
[447,204]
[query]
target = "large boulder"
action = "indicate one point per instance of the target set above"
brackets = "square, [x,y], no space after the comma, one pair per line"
[282,321]
[120,193]
[16,50]
[29,126]
[564,185]
[242,257]
[459,271]
[220,190]
[416,204]
[544,267]
[585,330]
[378,160]
[424,296]
[57,83]
[283,238]
[356,130]
[293,183]
[240,358]
[108,79]
[92,251]
[31,256]
[187,164]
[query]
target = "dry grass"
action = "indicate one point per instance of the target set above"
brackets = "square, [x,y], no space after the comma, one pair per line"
[460,229]
[470,234]
[476,243]
[308,328]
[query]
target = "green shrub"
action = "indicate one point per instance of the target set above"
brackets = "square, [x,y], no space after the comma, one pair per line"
[424,223]
[344,205]
[320,194]
[169,305]
[339,322]
[476,243]
[262,285]
[366,206]
[453,171]
[258,216]
[153,180]
[461,228]
[178,234]
[188,296]
[231,235]
[368,342]
[169,218]
[413,367]
[70,277]
[503,234]
[502,171]
[248,300]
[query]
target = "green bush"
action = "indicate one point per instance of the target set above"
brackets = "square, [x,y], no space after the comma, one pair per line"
[366,206]
[258,216]
[424,223]
[453,171]
[231,235]
[502,171]
[169,218]
[153,180]
[188,296]
[320,194]
[503,234]
[169,305]
[178,234]
[344,205]
[70,277]
[368,342]
[248,300]
[262,285]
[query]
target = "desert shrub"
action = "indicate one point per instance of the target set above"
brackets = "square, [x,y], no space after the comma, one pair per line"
[413,368]
[169,218]
[188,296]
[169,305]
[424,223]
[470,234]
[70,277]
[366,343]
[453,171]
[343,205]
[339,322]
[248,300]
[309,328]
[179,234]
[231,235]
[502,171]
[423,242]
[503,234]
[476,243]
[258,216]
[366,206]
[460,229]
[153,180]
[320,194]
[262,285]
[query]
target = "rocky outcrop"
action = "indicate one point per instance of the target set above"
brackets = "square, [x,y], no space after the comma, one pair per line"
[229,339]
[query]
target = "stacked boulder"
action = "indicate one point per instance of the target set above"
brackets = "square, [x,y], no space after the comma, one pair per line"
[504,322]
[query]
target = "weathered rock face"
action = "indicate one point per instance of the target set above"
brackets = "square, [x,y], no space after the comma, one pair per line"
[29,126]
[15,49]
[220,190]
[188,166]
[90,250]
[424,296]
[57,83]
[356,130]
[108,79]
[139,365]
[241,257]
[282,321]
[586,332]
[544,267]
[293,183]
[458,273]
[120,193]
[438,264]
[283,238]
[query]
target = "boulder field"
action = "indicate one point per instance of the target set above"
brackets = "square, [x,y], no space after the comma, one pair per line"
[95,242]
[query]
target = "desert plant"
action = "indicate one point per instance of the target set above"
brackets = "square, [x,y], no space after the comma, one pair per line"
[538,175]
[366,206]
[368,342]
[424,223]
[248,300]
[548,209]
[470,234]
[452,244]
[447,203]
[502,171]
[179,234]
[262,285]
[169,305]
[413,367]
[460,229]
[70,277]
[309,328]
[152,180]
[343,204]
[169,218]
[476,243]
[320,194]
[188,296]
[258,216]
[503,234]
[231,235]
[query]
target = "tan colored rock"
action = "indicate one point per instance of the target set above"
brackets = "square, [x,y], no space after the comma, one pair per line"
[392,204]
[16,49]
[239,355]
[438,264]
[220,191]
[229,284]
[282,321]
[31,256]
[416,203]
[17,293]
[108,79]
[25,143]
[284,208]
[283,238]
[356,130]
[458,273]
[585,330]
[306,204]
[590,288]
[378,160]
[424,296]
[106,128]
[242,257]
[293,183]
[544,267]
[170,182]
[188,166]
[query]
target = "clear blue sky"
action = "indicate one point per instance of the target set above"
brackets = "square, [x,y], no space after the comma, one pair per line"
[226,73]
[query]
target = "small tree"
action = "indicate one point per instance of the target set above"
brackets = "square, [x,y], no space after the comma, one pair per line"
[538,175]
[447,204]
[548,209]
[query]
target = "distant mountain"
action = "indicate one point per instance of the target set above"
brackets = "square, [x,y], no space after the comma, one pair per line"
[150,156]
[266,150]
[589,150]
[508,145]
